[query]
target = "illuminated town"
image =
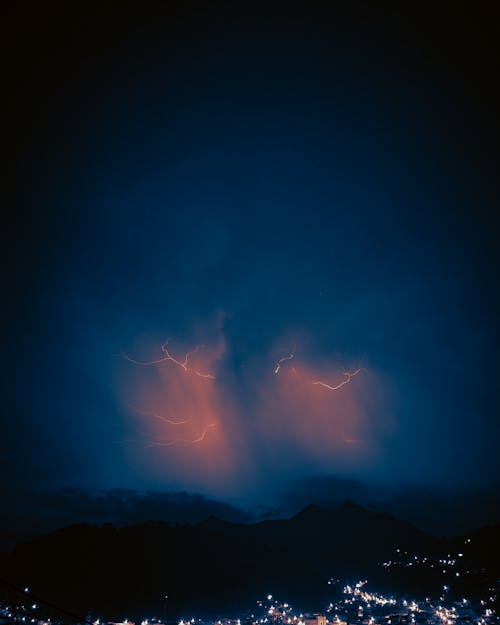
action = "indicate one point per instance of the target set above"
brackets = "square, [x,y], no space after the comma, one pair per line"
[352,603]
[357,604]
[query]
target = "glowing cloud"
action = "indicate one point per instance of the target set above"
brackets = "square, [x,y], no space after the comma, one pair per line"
[200,427]
[185,425]
[155,415]
[168,442]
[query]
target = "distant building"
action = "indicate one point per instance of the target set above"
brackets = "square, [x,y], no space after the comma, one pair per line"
[317,619]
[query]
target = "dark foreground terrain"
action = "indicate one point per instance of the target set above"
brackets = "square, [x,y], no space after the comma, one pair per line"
[217,567]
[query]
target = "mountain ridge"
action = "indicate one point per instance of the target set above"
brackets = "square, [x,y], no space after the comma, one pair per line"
[215,564]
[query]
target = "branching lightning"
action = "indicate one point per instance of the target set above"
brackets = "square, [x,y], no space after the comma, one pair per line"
[169,442]
[282,360]
[165,429]
[155,415]
[183,364]
[347,378]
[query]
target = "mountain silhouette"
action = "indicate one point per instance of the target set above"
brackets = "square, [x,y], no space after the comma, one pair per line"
[214,567]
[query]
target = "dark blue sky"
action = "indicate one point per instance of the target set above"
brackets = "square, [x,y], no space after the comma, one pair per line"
[257,182]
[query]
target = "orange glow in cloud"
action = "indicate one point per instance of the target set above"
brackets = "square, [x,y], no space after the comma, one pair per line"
[194,428]
[155,415]
[184,423]
[169,441]
[319,424]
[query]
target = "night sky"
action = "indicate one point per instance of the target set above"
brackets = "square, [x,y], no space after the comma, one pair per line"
[254,184]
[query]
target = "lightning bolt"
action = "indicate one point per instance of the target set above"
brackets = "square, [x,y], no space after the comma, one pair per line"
[169,442]
[183,364]
[282,360]
[155,415]
[348,377]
